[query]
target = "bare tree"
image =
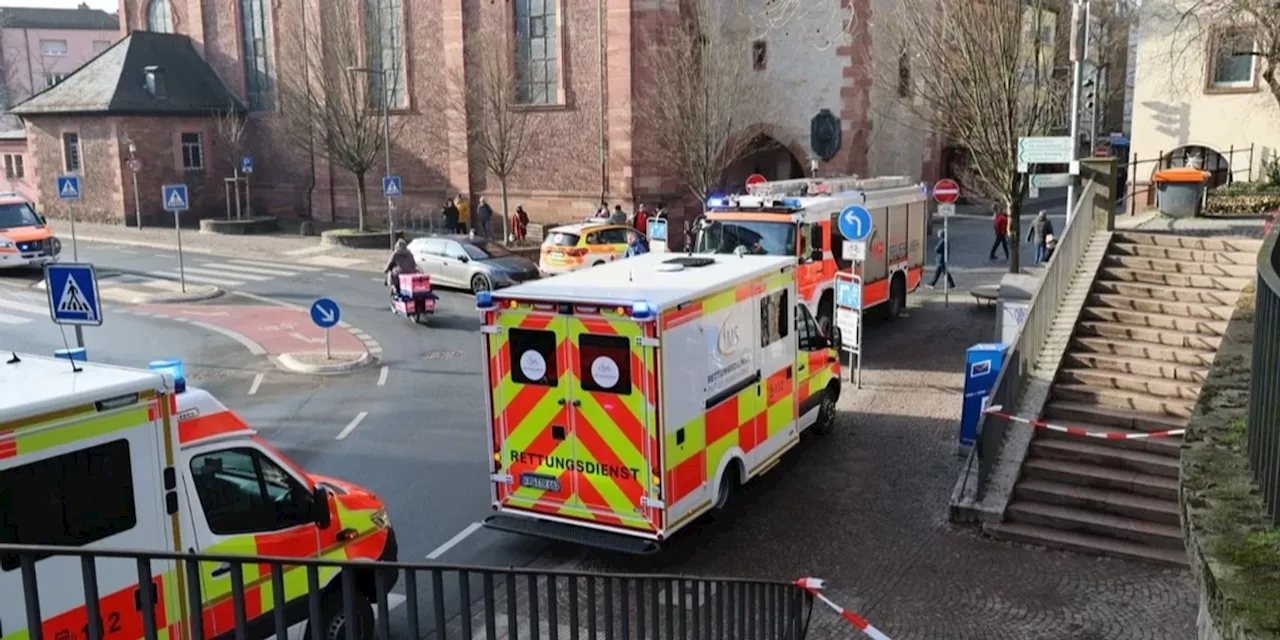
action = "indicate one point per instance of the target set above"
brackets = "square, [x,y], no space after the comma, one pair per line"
[1225,27]
[229,126]
[501,137]
[325,107]
[981,74]
[707,105]
[839,18]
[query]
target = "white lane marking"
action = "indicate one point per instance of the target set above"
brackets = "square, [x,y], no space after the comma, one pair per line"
[332,261]
[8,319]
[306,251]
[253,347]
[275,265]
[173,275]
[257,382]
[454,541]
[238,269]
[24,307]
[355,422]
[382,377]
[337,275]
[224,274]
[129,251]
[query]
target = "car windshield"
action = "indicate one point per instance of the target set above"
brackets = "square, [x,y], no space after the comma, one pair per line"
[18,214]
[561,239]
[753,236]
[485,250]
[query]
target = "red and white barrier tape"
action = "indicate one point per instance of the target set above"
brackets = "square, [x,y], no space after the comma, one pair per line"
[815,585]
[1085,433]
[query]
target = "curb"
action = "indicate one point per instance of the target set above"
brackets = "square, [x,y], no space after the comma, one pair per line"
[209,293]
[1130,223]
[247,342]
[209,252]
[289,363]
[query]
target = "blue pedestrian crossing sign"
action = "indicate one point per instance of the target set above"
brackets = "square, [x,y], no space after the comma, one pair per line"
[175,197]
[68,187]
[848,294]
[391,186]
[855,222]
[246,164]
[73,293]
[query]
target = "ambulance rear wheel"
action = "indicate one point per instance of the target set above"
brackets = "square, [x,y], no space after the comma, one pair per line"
[827,412]
[333,617]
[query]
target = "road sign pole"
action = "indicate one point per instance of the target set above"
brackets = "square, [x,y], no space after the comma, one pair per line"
[1079,49]
[327,353]
[182,273]
[946,260]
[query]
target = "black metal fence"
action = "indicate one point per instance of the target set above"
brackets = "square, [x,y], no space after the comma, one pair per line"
[437,601]
[1224,168]
[1264,386]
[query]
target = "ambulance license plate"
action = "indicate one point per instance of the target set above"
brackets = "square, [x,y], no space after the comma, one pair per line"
[540,482]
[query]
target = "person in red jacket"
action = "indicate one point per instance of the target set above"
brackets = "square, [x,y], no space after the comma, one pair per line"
[1002,233]
[641,223]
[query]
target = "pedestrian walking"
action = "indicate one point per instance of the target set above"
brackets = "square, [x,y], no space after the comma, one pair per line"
[464,213]
[484,216]
[941,262]
[618,216]
[1041,230]
[450,213]
[1050,243]
[1002,233]
[520,223]
[641,222]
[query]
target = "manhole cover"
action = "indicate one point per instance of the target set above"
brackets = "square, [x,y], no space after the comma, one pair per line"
[442,354]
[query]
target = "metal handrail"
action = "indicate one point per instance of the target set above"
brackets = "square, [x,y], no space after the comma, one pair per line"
[461,601]
[1263,426]
[1029,340]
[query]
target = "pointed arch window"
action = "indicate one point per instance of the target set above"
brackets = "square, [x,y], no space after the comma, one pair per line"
[259,84]
[158,17]
[384,40]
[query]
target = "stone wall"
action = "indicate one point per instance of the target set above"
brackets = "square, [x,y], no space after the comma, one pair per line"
[1233,548]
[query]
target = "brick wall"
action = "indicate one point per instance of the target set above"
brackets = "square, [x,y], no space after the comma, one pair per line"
[158,142]
[100,199]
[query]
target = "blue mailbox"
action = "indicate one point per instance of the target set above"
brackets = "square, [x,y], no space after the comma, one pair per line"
[982,366]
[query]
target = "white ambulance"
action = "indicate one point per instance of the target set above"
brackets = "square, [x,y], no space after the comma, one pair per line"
[102,457]
[629,399]
[799,218]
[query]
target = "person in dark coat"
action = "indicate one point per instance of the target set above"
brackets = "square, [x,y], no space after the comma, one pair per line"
[941,253]
[1039,233]
[520,223]
[484,217]
[450,212]
[401,262]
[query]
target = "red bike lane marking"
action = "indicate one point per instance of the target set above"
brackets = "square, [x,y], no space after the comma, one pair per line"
[277,329]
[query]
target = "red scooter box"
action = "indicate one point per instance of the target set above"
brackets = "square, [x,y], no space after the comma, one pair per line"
[411,283]
[409,305]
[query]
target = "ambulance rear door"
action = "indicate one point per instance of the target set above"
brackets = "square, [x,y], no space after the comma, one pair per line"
[92,480]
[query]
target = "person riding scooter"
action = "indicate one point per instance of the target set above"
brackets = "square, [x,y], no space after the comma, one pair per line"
[401,262]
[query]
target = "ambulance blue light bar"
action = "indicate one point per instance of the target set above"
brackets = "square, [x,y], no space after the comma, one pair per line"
[484,300]
[641,310]
[174,368]
[717,202]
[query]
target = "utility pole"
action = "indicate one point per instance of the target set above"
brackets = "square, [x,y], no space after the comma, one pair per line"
[1079,51]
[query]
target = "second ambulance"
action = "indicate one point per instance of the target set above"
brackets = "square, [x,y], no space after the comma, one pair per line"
[629,399]
[106,457]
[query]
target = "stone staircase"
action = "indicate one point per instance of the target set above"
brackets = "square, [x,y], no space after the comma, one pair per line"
[1141,349]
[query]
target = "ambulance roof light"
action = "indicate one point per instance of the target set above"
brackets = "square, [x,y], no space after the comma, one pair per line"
[641,310]
[174,368]
[484,300]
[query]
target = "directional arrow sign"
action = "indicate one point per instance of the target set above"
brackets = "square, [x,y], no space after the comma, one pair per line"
[855,222]
[325,313]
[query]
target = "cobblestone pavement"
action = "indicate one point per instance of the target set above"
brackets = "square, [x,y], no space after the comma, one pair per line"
[865,509]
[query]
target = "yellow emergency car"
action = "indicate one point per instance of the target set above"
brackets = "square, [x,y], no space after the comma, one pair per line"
[586,244]
[629,399]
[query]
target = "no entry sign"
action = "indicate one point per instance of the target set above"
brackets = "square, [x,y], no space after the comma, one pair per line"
[946,191]
[755,179]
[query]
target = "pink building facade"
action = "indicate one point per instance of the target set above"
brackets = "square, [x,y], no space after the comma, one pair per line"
[41,47]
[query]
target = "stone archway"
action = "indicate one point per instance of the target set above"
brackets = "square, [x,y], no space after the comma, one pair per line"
[769,158]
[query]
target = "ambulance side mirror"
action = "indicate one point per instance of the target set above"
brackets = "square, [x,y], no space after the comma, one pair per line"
[320,505]
[816,255]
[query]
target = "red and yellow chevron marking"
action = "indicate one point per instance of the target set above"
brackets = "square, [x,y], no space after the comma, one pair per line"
[120,617]
[821,366]
[607,437]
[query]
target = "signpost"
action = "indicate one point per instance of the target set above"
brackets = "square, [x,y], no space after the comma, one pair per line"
[849,321]
[325,313]
[855,222]
[69,192]
[246,167]
[1043,150]
[391,189]
[945,192]
[854,250]
[175,200]
[135,165]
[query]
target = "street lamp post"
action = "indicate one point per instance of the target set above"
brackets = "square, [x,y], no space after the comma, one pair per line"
[386,136]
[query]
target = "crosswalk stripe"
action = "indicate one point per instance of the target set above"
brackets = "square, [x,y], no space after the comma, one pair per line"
[275,265]
[8,319]
[14,305]
[222,266]
[173,275]
[217,273]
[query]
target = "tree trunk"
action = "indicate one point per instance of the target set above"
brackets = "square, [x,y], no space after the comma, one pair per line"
[506,219]
[360,201]
[1015,225]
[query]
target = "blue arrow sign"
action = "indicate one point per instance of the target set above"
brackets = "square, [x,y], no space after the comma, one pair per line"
[391,186]
[848,295]
[855,222]
[174,197]
[325,313]
[246,164]
[68,187]
[73,293]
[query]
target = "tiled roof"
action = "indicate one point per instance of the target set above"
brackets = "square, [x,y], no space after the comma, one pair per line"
[13,134]
[115,82]
[35,18]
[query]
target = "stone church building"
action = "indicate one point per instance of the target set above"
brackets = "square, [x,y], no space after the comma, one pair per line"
[150,97]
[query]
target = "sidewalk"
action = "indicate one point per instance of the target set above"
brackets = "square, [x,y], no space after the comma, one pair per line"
[280,247]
